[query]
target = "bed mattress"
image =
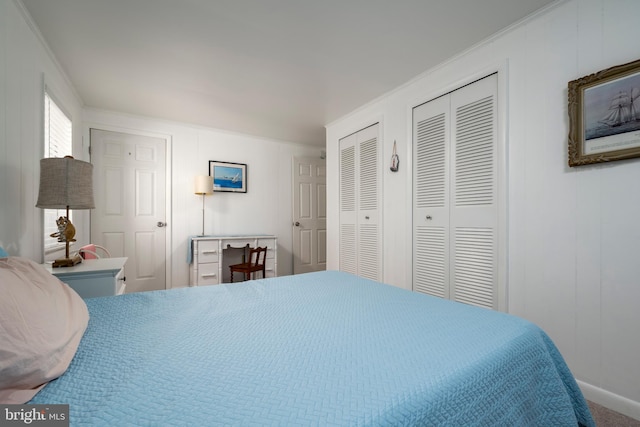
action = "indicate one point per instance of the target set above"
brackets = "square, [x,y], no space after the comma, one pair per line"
[324,348]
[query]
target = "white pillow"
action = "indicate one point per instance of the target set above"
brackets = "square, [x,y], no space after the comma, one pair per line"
[41,323]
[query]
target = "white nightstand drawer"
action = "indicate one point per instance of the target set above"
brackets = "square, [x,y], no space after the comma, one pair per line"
[93,277]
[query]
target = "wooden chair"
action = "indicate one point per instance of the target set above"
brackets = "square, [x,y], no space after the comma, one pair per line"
[256,262]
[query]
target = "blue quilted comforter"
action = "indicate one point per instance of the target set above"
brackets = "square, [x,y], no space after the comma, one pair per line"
[322,348]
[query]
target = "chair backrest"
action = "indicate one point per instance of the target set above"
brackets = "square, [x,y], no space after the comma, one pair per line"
[257,256]
[90,251]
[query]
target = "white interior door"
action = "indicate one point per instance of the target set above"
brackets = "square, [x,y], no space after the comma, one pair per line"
[368,216]
[348,207]
[309,215]
[455,213]
[431,135]
[474,194]
[360,190]
[129,218]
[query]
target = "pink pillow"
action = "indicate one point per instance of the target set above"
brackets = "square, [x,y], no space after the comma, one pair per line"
[91,251]
[42,321]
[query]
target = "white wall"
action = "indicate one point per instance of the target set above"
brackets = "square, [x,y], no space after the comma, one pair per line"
[266,207]
[573,233]
[25,67]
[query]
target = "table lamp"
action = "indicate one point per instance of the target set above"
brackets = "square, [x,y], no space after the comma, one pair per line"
[204,187]
[65,183]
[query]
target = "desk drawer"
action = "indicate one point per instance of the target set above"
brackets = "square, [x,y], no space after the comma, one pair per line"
[208,251]
[238,243]
[270,268]
[271,246]
[208,274]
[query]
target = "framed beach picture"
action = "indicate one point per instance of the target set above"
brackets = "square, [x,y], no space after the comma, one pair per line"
[604,115]
[228,177]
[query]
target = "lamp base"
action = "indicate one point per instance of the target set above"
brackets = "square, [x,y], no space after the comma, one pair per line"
[67,262]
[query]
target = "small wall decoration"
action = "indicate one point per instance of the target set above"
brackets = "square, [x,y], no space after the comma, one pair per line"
[228,177]
[604,115]
[395,160]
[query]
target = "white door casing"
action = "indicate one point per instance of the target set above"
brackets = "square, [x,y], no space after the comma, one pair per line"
[455,216]
[309,215]
[130,197]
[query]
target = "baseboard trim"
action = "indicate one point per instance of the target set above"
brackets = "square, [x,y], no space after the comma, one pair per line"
[610,400]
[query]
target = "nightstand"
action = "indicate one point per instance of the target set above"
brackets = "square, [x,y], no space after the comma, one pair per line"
[93,277]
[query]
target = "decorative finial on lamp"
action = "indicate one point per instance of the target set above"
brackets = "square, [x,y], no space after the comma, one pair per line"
[203,187]
[65,183]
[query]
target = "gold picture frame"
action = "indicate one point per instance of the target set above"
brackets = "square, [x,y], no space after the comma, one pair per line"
[604,115]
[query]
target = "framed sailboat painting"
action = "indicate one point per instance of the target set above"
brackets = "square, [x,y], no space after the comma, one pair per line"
[228,177]
[604,115]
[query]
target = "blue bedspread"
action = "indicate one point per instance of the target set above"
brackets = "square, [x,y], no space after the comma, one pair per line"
[321,349]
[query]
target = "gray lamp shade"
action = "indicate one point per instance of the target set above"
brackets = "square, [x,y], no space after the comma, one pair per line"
[65,182]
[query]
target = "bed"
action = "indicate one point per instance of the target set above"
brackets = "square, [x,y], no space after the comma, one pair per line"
[324,348]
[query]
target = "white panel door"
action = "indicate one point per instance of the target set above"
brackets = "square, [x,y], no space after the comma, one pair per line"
[309,215]
[455,250]
[360,189]
[129,218]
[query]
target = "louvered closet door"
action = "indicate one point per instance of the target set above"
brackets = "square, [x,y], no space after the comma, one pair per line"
[369,236]
[455,195]
[474,212]
[348,214]
[360,185]
[431,133]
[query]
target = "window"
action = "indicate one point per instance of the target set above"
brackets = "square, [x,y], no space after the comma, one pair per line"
[57,143]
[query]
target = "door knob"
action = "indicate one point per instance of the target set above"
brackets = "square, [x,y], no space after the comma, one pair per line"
[161,224]
[297,224]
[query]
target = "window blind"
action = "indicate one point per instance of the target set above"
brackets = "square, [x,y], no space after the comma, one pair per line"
[57,143]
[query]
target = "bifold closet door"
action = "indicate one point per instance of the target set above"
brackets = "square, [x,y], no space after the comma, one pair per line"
[455,251]
[360,186]
[431,139]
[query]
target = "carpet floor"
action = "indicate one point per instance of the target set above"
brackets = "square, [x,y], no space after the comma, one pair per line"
[605,417]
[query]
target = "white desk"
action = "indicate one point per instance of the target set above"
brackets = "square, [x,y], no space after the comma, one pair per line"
[210,257]
[93,277]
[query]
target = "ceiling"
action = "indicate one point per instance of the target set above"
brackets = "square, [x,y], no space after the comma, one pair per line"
[279,69]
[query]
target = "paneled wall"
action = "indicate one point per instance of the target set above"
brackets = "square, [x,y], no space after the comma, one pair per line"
[266,207]
[25,67]
[573,233]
